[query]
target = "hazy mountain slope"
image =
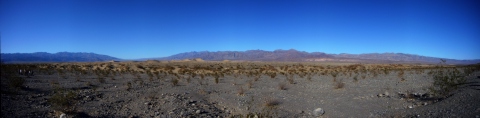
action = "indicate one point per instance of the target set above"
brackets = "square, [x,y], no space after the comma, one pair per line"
[294,55]
[250,55]
[56,57]
[402,57]
[258,55]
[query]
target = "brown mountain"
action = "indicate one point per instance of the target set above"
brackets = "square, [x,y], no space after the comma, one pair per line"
[252,55]
[294,55]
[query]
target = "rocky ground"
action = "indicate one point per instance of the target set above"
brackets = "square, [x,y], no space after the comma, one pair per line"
[243,89]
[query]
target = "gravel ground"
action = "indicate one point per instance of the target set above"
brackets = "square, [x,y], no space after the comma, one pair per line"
[134,94]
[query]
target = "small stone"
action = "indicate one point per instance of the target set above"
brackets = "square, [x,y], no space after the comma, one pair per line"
[380,95]
[198,111]
[63,115]
[410,106]
[318,112]
[386,93]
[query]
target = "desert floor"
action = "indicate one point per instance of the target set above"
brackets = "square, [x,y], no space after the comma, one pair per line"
[239,89]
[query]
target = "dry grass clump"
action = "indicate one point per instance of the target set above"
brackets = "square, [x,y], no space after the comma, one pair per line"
[240,91]
[88,83]
[202,92]
[16,82]
[249,84]
[400,75]
[101,79]
[271,102]
[334,75]
[339,85]
[447,81]
[309,77]
[273,75]
[216,76]
[129,86]
[174,82]
[290,79]
[256,78]
[63,100]
[282,86]
[364,76]
[355,78]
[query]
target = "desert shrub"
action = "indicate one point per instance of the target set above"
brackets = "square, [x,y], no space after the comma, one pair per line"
[468,70]
[282,86]
[386,71]
[240,91]
[249,84]
[400,73]
[339,84]
[273,75]
[290,79]
[216,76]
[64,76]
[309,77]
[444,82]
[16,82]
[334,75]
[129,85]
[63,100]
[216,80]
[86,84]
[256,78]
[374,73]
[355,78]
[188,79]
[202,92]
[265,113]
[174,82]
[101,79]
[270,102]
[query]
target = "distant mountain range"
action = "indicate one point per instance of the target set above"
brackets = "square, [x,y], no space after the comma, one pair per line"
[250,55]
[56,57]
[294,55]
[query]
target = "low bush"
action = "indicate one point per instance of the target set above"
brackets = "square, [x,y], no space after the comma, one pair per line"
[63,100]
[446,81]
[339,84]
[282,86]
[16,82]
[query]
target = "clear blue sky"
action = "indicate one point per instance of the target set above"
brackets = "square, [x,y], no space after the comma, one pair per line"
[131,29]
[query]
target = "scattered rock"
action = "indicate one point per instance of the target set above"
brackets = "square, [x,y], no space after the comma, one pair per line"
[63,115]
[410,106]
[318,112]
[198,111]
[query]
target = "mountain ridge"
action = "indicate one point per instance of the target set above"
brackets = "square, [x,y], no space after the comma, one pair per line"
[55,57]
[248,55]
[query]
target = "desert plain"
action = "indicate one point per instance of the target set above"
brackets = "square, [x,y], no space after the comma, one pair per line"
[239,89]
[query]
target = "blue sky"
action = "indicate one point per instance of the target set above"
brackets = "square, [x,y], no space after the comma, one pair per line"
[131,29]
